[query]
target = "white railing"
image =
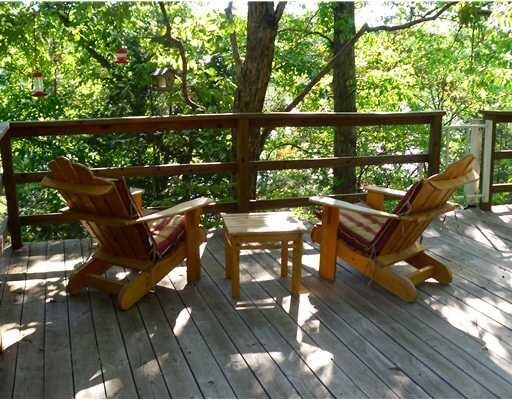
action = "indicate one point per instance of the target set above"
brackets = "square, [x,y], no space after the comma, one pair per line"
[475,129]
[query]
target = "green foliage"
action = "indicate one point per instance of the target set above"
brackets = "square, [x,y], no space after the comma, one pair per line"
[461,64]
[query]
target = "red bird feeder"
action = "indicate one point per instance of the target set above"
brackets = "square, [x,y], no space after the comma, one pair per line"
[121,56]
[38,84]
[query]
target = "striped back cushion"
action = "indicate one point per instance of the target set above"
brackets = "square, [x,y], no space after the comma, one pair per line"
[167,232]
[369,233]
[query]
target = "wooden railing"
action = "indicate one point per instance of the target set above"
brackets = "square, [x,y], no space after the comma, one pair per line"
[490,155]
[241,168]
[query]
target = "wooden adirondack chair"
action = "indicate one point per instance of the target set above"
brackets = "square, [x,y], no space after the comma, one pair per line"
[372,240]
[151,244]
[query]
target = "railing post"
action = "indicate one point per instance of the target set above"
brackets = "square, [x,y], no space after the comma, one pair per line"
[488,164]
[471,190]
[13,218]
[242,161]
[434,145]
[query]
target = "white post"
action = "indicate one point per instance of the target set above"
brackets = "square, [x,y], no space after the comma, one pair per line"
[471,190]
[486,176]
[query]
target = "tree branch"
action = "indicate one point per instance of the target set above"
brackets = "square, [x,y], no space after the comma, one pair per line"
[234,44]
[308,32]
[82,41]
[325,69]
[428,16]
[278,12]
[349,44]
[177,44]
[364,29]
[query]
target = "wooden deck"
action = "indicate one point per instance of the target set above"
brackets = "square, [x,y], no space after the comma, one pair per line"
[343,339]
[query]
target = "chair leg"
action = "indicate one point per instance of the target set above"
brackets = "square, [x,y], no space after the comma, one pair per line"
[92,266]
[328,243]
[193,241]
[137,288]
[284,259]
[397,284]
[228,256]
[440,272]
[134,291]
[235,271]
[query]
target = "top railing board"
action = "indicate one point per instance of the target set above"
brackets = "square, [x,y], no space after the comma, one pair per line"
[242,167]
[498,116]
[22,129]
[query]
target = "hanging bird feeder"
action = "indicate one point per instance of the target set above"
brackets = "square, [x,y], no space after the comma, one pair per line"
[163,79]
[38,84]
[121,55]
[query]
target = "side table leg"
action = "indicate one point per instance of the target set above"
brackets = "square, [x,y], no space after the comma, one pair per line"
[235,274]
[284,259]
[228,256]
[297,265]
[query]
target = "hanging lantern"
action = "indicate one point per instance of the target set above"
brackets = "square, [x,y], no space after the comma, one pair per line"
[38,84]
[163,79]
[121,55]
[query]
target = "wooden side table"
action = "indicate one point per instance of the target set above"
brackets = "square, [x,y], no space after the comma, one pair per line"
[266,230]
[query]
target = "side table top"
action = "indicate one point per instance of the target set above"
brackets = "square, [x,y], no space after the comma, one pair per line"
[262,222]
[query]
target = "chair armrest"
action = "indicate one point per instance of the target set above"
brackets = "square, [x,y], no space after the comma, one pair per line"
[136,194]
[345,205]
[177,209]
[116,221]
[136,191]
[387,192]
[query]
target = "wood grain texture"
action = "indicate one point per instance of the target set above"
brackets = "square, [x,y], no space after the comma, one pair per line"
[241,224]
[13,221]
[243,166]
[227,120]
[345,338]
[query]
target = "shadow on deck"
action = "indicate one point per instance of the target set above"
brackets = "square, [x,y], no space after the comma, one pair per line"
[343,339]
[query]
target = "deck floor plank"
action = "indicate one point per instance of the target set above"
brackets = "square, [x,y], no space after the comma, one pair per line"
[176,371]
[345,339]
[470,268]
[276,384]
[455,380]
[245,384]
[87,370]
[29,380]
[208,374]
[296,369]
[377,328]
[117,374]
[58,369]
[368,366]
[497,366]
[143,363]
[15,269]
[316,343]
[471,366]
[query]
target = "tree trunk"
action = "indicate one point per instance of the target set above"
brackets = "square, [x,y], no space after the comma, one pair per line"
[252,82]
[344,93]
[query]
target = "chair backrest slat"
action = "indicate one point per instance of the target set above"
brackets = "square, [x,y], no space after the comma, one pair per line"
[133,241]
[434,193]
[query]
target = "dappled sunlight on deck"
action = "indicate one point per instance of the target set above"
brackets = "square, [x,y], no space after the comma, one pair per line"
[347,338]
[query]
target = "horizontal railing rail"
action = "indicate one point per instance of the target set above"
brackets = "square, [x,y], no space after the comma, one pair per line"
[242,167]
[490,155]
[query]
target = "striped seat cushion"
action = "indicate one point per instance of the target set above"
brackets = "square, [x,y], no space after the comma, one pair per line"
[359,230]
[368,233]
[167,232]
[162,234]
